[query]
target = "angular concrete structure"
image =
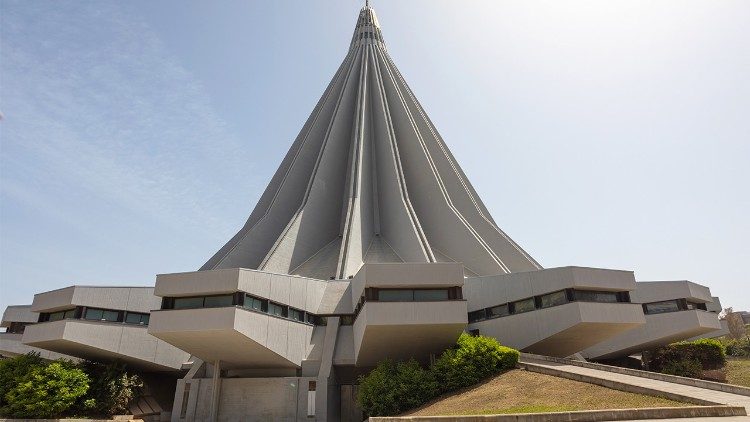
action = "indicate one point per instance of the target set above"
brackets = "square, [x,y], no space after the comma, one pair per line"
[557,312]
[369,243]
[15,320]
[102,323]
[674,310]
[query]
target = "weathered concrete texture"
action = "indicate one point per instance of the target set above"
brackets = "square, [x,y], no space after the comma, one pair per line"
[583,416]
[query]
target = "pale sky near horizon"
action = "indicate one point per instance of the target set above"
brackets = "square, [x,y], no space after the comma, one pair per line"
[137,136]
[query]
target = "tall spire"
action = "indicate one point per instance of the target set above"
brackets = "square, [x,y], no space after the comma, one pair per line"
[369,179]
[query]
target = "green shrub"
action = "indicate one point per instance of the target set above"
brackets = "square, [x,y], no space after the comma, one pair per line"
[682,358]
[392,388]
[15,369]
[45,390]
[687,368]
[112,389]
[474,359]
[738,348]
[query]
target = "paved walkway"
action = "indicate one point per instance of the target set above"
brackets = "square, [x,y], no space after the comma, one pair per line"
[686,390]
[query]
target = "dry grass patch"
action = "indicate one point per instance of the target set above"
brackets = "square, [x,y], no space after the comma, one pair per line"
[520,391]
[738,371]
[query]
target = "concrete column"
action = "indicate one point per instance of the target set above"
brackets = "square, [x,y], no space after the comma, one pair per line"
[215,391]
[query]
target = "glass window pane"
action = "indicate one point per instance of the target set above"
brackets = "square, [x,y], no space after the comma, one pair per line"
[145,319]
[477,315]
[430,295]
[275,309]
[525,305]
[110,315]
[136,318]
[217,301]
[554,299]
[393,295]
[498,311]
[188,302]
[94,314]
[70,314]
[591,296]
[56,316]
[662,307]
[347,319]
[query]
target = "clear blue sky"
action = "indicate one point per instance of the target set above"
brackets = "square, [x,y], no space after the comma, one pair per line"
[137,136]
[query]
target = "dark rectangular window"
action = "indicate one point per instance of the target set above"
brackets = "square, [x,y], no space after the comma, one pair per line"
[476,316]
[218,301]
[296,315]
[554,299]
[254,303]
[276,309]
[94,314]
[188,302]
[661,307]
[593,296]
[60,315]
[395,295]
[136,318]
[430,295]
[498,311]
[525,305]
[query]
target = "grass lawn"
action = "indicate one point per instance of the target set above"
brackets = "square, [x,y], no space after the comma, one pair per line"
[519,391]
[738,371]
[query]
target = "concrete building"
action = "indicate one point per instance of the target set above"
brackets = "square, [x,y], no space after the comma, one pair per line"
[368,243]
[102,323]
[674,310]
[15,320]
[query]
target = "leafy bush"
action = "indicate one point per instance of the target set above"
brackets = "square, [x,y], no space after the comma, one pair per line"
[474,359]
[112,389]
[44,390]
[33,387]
[392,388]
[13,370]
[686,368]
[688,358]
[738,348]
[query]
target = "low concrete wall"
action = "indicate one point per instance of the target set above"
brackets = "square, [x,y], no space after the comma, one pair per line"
[584,416]
[709,385]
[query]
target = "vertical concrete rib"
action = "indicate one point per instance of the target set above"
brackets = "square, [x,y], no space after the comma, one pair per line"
[398,223]
[459,189]
[250,245]
[369,178]
[444,224]
[317,220]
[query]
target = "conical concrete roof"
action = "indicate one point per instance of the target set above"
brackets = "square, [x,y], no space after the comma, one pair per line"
[369,179]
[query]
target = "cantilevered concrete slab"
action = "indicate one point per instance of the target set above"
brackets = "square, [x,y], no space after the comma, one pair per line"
[556,312]
[102,323]
[396,328]
[675,310]
[15,320]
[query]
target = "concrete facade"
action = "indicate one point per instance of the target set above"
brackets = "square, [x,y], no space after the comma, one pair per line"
[78,334]
[673,322]
[15,320]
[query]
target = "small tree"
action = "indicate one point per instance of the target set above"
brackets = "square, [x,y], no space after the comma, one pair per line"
[15,369]
[46,390]
[112,389]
